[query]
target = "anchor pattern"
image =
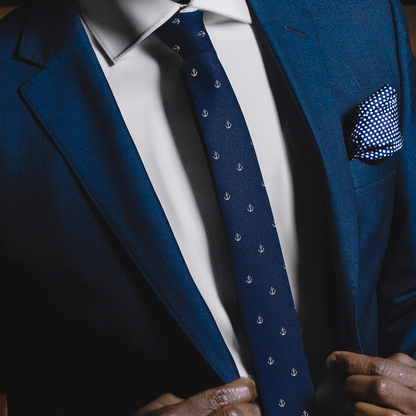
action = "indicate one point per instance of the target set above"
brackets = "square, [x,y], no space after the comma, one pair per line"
[249,222]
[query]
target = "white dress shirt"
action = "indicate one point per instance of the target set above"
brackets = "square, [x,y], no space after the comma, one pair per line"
[145,78]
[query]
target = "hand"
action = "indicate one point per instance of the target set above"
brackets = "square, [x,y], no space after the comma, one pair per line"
[377,386]
[233,399]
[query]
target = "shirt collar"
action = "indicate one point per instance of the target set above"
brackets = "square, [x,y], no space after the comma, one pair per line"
[119,25]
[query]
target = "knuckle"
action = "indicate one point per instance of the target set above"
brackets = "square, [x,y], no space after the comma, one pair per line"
[219,397]
[402,358]
[381,388]
[376,366]
[399,356]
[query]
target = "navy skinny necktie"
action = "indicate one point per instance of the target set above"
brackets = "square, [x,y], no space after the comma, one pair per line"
[261,282]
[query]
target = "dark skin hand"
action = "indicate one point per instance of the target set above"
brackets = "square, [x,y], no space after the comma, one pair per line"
[232,399]
[376,386]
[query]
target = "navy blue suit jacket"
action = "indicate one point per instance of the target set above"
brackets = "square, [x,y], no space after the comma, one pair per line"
[98,312]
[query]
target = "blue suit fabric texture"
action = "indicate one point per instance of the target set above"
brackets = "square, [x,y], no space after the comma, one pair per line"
[98,312]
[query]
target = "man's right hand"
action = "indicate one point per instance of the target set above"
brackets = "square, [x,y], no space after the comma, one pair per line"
[232,399]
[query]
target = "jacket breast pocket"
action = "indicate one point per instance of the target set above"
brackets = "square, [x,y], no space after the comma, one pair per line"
[366,172]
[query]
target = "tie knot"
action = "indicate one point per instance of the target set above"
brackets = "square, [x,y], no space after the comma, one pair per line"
[185,33]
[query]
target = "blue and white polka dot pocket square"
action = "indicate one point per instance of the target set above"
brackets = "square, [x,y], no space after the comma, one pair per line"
[376,134]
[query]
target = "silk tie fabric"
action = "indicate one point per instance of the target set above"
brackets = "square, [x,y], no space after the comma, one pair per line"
[261,282]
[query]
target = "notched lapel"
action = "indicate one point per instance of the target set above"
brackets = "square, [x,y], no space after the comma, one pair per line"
[291,35]
[71,99]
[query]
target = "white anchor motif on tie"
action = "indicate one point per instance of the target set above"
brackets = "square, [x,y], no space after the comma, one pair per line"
[228,125]
[204,113]
[176,48]
[259,320]
[216,155]
[274,224]
[227,196]
[176,21]
[263,184]
[201,34]
[283,332]
[237,237]
[293,373]
[282,403]
[270,361]
[239,167]
[305,413]
[261,249]
[272,291]
[284,266]
[194,72]
[249,279]
[217,84]
[250,208]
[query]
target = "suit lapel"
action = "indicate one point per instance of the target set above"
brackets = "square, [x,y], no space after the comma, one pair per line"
[92,137]
[292,38]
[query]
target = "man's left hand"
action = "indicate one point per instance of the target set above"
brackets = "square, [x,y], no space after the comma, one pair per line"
[377,386]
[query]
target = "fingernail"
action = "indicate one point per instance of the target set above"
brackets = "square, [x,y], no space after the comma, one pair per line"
[332,358]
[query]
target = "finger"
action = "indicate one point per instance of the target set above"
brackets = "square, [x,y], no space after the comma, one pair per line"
[403,358]
[162,401]
[350,363]
[242,409]
[239,391]
[366,409]
[382,391]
